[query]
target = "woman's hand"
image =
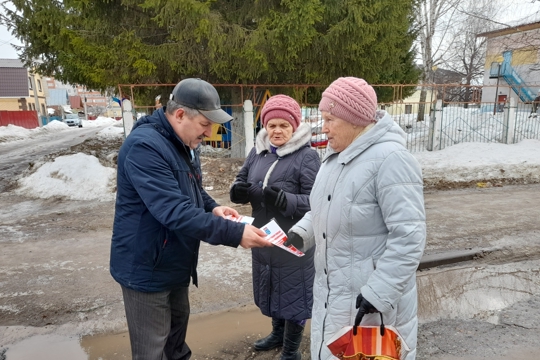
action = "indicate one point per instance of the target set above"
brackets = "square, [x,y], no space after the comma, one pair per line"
[295,240]
[240,193]
[364,307]
[274,196]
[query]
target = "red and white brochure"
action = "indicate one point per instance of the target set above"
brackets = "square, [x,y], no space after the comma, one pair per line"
[277,236]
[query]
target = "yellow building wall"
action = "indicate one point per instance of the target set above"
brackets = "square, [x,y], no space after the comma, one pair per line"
[39,87]
[523,56]
[493,58]
[399,108]
[10,104]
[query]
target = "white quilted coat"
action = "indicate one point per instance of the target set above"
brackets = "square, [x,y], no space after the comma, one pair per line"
[367,221]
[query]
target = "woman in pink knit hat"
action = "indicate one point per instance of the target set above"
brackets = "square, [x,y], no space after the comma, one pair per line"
[367,221]
[276,179]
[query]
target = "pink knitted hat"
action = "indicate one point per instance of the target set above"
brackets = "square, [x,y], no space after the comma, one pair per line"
[281,107]
[350,99]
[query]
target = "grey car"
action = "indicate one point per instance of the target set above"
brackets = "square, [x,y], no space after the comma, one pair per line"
[73,120]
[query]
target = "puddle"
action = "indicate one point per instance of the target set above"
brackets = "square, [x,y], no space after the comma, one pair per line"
[477,292]
[47,347]
[462,293]
[207,334]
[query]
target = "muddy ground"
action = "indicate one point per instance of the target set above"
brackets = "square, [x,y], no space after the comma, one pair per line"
[54,277]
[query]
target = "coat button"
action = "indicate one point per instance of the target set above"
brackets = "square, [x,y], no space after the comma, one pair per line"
[329,197]
[326,272]
[325,305]
[323,235]
[267,267]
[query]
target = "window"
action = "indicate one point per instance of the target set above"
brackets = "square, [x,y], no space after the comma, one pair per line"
[43,109]
[30,83]
[39,85]
[408,109]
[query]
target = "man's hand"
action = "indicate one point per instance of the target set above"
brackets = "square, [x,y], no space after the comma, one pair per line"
[224,211]
[254,237]
[364,307]
[295,240]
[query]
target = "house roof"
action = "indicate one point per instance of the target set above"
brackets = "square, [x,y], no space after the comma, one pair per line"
[11,63]
[510,30]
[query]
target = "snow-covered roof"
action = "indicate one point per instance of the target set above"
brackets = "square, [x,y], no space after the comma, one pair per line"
[511,29]
[11,63]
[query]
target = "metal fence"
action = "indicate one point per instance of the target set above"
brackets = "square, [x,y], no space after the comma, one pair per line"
[433,117]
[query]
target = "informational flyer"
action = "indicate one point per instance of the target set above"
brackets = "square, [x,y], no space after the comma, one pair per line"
[277,236]
[241,219]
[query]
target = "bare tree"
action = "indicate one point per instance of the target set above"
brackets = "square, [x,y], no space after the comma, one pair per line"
[467,52]
[433,21]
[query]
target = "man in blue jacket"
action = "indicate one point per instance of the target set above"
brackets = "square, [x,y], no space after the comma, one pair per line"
[162,212]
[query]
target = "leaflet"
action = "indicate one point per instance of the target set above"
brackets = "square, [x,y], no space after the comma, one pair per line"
[277,237]
[241,219]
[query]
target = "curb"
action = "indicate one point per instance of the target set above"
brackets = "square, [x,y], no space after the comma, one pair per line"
[452,257]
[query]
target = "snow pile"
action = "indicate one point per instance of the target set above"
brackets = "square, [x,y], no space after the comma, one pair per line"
[83,177]
[12,132]
[102,121]
[76,177]
[482,162]
[53,126]
[111,132]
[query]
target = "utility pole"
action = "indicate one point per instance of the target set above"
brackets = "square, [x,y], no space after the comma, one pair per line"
[497,90]
[85,108]
[36,99]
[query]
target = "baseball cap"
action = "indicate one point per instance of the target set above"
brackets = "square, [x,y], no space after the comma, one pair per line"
[202,96]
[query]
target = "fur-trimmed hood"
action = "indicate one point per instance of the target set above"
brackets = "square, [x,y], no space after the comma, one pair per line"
[300,138]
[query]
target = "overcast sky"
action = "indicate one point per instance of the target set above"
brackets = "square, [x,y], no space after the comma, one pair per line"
[511,11]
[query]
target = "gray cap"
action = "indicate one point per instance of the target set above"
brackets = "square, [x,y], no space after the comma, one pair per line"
[202,96]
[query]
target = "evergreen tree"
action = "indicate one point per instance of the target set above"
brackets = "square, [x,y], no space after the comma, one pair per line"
[103,43]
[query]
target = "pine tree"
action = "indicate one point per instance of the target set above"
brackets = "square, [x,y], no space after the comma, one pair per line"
[106,42]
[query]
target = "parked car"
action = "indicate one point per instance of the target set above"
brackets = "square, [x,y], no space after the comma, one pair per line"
[73,120]
[319,139]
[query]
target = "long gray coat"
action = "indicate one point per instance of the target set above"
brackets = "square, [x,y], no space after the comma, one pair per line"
[368,222]
[282,282]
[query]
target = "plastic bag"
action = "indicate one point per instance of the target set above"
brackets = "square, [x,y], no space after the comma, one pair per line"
[370,343]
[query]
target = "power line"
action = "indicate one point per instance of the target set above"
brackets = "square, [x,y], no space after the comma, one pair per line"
[4,42]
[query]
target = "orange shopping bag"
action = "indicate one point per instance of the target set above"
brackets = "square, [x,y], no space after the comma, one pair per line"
[369,343]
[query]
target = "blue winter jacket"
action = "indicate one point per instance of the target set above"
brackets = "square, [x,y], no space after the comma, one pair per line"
[162,212]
